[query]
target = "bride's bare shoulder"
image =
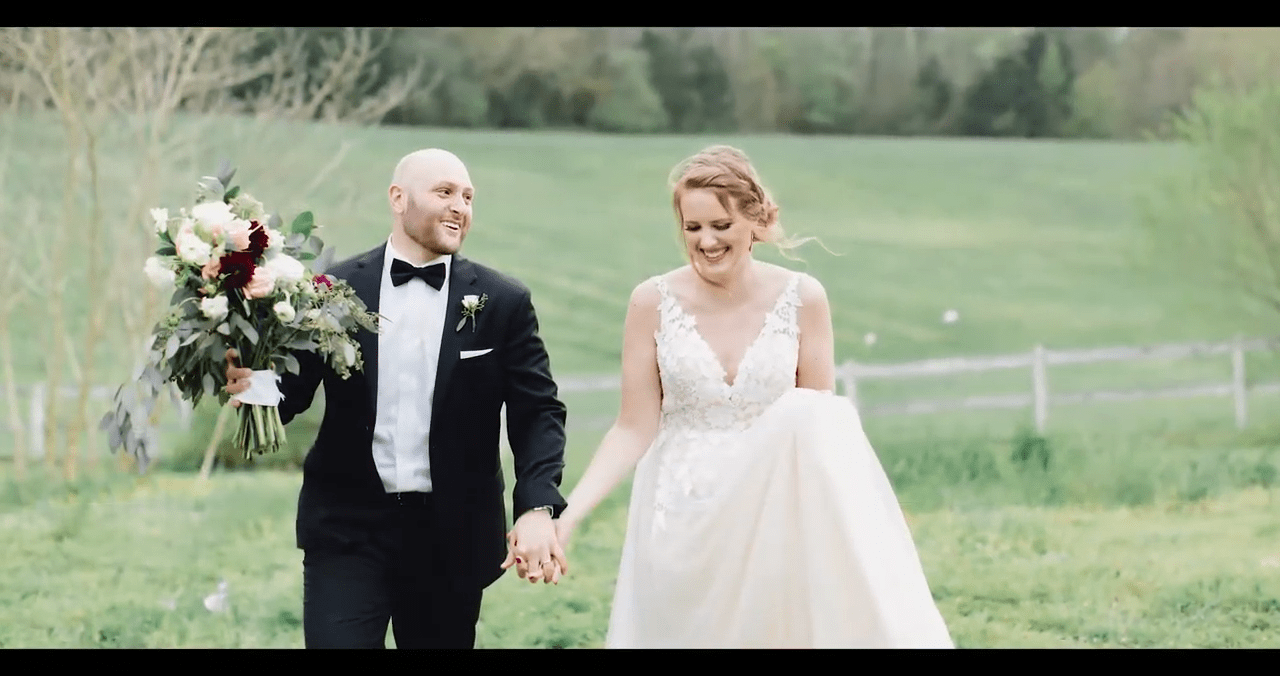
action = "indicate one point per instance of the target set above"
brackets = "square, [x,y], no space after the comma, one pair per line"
[810,289]
[648,296]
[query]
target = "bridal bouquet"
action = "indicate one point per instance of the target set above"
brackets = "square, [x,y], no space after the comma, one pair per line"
[239,282]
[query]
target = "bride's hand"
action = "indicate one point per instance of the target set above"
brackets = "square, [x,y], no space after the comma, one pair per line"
[564,530]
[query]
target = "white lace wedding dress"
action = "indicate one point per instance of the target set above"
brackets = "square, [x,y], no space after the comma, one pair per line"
[761,517]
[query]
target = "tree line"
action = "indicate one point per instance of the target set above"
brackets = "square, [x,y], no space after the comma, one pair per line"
[1011,82]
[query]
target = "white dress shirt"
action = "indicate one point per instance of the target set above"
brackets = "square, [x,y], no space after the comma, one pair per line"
[408,354]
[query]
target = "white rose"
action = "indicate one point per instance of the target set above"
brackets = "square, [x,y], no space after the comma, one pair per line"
[284,310]
[470,302]
[214,308]
[191,248]
[286,268]
[161,218]
[160,274]
[209,215]
[275,241]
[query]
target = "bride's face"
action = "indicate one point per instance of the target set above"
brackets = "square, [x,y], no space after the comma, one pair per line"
[717,241]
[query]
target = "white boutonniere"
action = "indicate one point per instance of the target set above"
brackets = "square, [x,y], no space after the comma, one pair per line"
[471,305]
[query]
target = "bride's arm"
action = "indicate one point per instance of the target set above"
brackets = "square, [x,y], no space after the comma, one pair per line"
[637,422]
[816,369]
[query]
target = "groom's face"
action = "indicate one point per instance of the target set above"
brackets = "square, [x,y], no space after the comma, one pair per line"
[437,211]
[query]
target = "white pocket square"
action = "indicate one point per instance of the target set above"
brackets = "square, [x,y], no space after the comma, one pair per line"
[467,354]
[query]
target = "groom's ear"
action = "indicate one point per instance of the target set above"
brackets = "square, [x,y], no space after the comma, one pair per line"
[395,194]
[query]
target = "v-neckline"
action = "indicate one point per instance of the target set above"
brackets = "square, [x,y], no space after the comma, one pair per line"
[737,372]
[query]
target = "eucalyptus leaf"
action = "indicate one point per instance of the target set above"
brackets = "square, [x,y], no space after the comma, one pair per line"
[171,347]
[226,172]
[207,381]
[231,194]
[291,364]
[303,224]
[210,186]
[325,259]
[274,221]
[191,338]
[245,327]
[224,329]
[167,250]
[302,344]
[113,437]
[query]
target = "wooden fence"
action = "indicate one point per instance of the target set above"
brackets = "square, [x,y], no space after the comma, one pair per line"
[1037,399]
[850,374]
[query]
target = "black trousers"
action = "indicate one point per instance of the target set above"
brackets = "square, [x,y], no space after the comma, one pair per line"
[395,575]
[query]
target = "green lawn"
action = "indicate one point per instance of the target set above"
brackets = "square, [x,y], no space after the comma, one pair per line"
[131,569]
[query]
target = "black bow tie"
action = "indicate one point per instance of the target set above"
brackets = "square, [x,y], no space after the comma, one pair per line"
[402,272]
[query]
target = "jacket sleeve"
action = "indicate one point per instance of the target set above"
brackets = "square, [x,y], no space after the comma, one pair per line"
[535,416]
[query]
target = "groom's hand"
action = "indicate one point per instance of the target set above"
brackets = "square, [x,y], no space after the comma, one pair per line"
[237,378]
[534,548]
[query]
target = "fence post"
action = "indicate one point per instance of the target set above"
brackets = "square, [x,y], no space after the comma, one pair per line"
[36,426]
[1039,388]
[1238,391]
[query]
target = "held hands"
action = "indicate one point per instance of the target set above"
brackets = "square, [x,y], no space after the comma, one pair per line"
[237,378]
[534,548]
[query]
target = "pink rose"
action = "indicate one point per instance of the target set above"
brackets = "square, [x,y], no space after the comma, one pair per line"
[261,284]
[211,269]
[237,233]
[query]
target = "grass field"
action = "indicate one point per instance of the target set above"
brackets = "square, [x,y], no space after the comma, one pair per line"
[1152,524]
[130,566]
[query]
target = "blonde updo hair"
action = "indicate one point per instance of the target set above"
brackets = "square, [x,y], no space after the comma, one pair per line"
[728,173]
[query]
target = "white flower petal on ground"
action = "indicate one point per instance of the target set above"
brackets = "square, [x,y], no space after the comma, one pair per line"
[218,602]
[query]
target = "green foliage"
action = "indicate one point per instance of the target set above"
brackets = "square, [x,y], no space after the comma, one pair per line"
[1026,93]
[630,104]
[1217,218]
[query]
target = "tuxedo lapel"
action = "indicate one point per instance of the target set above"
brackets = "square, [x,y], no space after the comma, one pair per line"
[462,277]
[366,281]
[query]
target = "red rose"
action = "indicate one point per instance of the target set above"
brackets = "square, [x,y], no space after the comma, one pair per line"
[238,267]
[257,239]
[321,279]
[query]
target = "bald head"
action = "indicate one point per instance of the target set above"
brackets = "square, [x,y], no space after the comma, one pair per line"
[424,165]
[430,197]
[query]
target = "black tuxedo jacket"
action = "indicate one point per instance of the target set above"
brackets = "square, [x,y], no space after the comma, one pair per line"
[342,497]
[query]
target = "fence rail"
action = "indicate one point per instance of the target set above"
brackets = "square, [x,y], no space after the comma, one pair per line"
[851,373]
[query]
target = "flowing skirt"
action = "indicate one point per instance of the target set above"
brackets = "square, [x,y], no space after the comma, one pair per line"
[802,545]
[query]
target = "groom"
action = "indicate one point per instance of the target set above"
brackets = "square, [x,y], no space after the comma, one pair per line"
[401,515]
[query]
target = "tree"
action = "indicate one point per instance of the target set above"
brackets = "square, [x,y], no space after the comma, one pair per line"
[630,104]
[1216,219]
[102,83]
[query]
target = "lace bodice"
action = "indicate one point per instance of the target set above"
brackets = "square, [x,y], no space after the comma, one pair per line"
[702,414]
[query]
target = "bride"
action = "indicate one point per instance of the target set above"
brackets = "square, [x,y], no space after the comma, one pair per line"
[760,516]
